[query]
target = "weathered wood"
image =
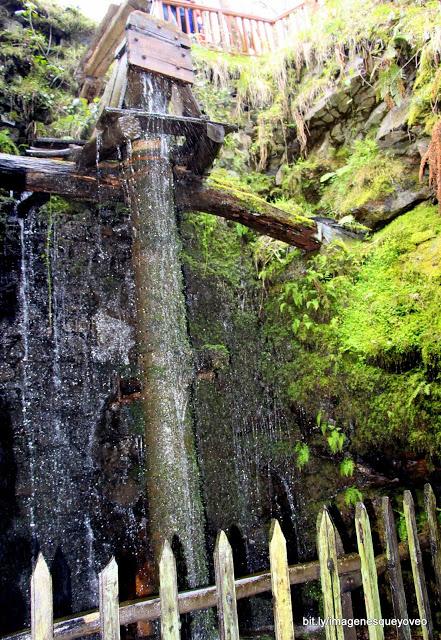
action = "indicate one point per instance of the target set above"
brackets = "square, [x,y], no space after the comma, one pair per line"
[65,179]
[394,568]
[434,534]
[327,552]
[158,56]
[168,594]
[249,210]
[280,586]
[41,602]
[149,608]
[368,571]
[416,560]
[109,603]
[57,177]
[98,60]
[226,589]
[349,633]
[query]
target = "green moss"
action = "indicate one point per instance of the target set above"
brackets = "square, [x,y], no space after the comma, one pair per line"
[363,328]
[231,184]
[368,175]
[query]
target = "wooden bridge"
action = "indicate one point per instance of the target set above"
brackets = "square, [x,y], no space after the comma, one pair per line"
[216,28]
[337,573]
[234,31]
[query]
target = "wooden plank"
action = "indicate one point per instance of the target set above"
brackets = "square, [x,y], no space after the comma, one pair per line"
[109,604]
[158,28]
[158,56]
[416,560]
[283,620]
[368,571]
[41,602]
[329,579]
[434,534]
[168,594]
[226,589]
[394,574]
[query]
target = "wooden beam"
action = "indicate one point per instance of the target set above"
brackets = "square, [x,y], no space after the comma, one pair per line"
[204,598]
[57,177]
[249,210]
[61,178]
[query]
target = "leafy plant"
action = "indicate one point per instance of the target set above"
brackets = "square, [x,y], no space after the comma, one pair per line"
[352,495]
[7,145]
[302,454]
[336,440]
[347,467]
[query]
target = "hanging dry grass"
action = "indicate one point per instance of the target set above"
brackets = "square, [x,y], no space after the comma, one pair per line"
[432,157]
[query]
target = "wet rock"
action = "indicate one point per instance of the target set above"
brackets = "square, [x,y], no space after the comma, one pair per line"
[376,116]
[395,119]
[377,213]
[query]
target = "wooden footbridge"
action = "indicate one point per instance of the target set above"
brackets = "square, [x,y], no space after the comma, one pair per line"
[338,574]
[135,44]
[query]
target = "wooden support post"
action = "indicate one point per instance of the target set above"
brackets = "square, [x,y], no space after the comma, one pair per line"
[283,621]
[327,552]
[368,571]
[416,560]
[434,534]
[226,589]
[394,568]
[168,593]
[41,601]
[109,603]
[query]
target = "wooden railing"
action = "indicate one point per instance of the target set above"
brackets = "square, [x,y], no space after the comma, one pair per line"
[233,31]
[338,575]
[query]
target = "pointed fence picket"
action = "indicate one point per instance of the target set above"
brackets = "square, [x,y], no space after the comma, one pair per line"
[280,586]
[41,601]
[395,576]
[330,582]
[337,574]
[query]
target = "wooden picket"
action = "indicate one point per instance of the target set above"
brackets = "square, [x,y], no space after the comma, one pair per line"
[416,561]
[394,569]
[434,534]
[168,593]
[327,552]
[368,571]
[41,601]
[337,573]
[283,622]
[109,604]
[226,589]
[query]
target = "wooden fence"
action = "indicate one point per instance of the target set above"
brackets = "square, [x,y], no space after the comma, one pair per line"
[338,575]
[233,31]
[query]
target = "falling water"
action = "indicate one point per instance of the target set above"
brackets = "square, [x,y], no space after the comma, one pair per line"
[166,360]
[25,231]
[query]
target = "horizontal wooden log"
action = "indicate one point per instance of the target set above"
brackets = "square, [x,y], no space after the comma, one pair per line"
[150,608]
[57,177]
[249,210]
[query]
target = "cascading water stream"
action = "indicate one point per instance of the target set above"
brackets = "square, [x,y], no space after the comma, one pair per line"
[166,361]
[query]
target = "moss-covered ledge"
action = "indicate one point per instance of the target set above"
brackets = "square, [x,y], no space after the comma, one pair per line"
[225,196]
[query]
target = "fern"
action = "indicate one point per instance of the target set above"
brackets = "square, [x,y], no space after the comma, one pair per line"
[347,467]
[352,496]
[336,440]
[302,454]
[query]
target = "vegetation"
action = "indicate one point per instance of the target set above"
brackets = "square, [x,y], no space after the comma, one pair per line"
[39,54]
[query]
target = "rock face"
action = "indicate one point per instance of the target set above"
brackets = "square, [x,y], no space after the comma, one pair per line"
[70,447]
